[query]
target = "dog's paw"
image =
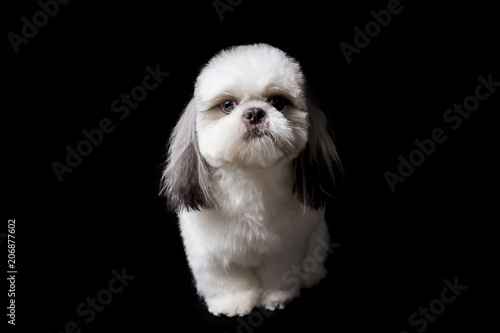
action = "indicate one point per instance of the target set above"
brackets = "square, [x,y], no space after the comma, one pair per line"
[277,299]
[233,304]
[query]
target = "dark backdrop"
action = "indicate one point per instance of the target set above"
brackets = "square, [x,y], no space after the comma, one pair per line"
[396,247]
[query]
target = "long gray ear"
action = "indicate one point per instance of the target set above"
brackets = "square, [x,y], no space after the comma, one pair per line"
[185,180]
[317,165]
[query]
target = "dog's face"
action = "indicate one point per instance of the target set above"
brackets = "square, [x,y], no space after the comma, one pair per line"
[251,108]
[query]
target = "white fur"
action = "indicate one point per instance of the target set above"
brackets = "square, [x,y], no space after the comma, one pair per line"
[239,253]
[246,244]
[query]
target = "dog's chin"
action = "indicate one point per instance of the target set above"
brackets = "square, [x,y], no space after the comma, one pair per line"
[257,148]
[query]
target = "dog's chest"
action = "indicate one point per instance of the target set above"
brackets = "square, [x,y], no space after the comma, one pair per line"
[257,212]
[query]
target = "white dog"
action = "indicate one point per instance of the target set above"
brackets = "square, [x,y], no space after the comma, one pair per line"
[248,165]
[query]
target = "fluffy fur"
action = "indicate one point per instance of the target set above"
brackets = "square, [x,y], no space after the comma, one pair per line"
[250,195]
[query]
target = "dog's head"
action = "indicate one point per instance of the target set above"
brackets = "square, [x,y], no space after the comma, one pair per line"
[249,110]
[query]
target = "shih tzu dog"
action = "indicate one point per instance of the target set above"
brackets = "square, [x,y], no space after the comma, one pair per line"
[249,164]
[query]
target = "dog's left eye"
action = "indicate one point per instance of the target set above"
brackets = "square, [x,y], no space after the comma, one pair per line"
[278,102]
[227,106]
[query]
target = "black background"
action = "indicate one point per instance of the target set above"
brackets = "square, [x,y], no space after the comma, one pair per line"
[396,248]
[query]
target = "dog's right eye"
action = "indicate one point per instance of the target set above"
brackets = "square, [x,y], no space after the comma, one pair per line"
[227,106]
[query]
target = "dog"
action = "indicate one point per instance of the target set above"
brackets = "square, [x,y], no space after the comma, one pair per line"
[248,170]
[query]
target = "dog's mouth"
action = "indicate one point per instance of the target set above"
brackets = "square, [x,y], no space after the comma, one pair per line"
[257,131]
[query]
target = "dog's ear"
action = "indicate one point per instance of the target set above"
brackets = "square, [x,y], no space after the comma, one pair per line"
[317,165]
[185,180]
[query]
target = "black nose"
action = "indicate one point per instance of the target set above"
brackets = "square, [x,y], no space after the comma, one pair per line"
[254,115]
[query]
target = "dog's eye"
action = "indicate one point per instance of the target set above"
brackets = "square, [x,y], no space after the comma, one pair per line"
[227,106]
[278,102]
